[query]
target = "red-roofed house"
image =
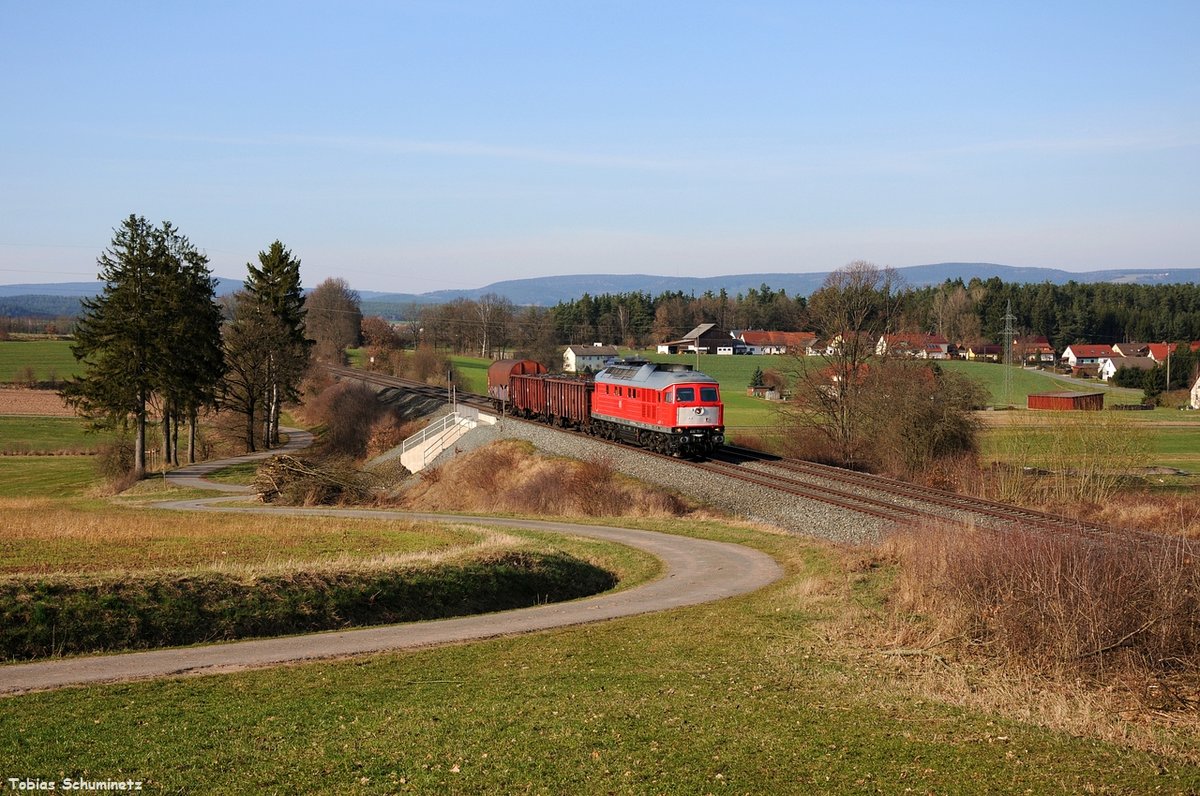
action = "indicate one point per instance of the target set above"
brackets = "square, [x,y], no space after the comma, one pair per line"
[914,344]
[758,342]
[1159,351]
[1088,354]
[1033,350]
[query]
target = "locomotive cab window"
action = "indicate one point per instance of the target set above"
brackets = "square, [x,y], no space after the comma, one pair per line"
[685,394]
[708,394]
[669,396]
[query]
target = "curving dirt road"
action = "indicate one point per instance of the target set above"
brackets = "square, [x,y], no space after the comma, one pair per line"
[696,571]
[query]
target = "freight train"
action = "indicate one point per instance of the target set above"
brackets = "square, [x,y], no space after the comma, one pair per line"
[662,407]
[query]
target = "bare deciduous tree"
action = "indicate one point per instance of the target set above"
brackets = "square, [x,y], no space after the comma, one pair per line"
[851,311]
[333,319]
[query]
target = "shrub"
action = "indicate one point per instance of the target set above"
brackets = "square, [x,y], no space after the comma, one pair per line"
[347,410]
[509,476]
[114,459]
[1058,601]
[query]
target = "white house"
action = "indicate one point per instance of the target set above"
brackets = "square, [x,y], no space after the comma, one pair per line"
[578,358]
[1195,403]
[1077,355]
[1110,365]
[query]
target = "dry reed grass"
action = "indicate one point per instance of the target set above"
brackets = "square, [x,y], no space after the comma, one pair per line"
[508,476]
[866,624]
[1068,603]
[1173,514]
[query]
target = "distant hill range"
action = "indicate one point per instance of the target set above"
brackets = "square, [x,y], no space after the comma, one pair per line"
[49,300]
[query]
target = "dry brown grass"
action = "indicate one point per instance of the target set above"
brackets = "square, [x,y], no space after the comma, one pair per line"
[508,476]
[1072,604]
[43,536]
[1174,514]
[865,625]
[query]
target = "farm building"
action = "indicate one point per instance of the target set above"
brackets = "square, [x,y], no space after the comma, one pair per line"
[1160,351]
[1088,401]
[1110,365]
[915,344]
[1131,349]
[987,352]
[707,339]
[759,342]
[1033,350]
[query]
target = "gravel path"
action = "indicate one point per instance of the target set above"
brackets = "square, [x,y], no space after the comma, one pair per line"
[696,571]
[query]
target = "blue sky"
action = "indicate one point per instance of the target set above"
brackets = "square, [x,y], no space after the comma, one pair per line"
[415,146]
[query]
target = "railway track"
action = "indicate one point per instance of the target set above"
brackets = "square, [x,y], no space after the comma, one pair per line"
[878,497]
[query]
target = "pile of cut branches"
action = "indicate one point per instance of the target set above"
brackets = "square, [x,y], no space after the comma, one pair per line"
[295,481]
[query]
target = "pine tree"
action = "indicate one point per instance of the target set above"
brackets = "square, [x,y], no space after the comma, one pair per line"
[150,334]
[274,286]
[192,362]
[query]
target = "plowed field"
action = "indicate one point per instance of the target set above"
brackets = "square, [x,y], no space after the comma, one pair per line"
[33,402]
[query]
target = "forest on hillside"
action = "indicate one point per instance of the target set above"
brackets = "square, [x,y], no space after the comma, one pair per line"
[966,313]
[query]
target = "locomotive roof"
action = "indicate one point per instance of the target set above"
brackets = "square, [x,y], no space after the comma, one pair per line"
[651,374]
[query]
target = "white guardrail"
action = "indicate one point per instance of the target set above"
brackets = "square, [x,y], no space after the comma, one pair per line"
[440,435]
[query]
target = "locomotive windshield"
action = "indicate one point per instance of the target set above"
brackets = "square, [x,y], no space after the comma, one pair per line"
[688,395]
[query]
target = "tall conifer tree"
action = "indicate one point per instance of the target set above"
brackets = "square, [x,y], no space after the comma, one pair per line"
[151,333]
[274,285]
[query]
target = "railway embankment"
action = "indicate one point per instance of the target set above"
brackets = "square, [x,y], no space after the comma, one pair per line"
[745,500]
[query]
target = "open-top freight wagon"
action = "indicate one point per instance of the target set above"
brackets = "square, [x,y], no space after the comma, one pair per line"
[663,407]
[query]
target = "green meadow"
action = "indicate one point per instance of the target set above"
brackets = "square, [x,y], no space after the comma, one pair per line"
[22,435]
[50,360]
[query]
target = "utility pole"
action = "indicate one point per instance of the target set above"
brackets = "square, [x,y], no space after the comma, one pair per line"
[1008,353]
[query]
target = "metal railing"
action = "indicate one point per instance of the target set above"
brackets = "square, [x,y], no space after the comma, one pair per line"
[434,436]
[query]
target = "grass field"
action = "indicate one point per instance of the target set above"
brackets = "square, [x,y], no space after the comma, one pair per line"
[47,435]
[759,694]
[47,535]
[748,695]
[50,360]
[46,476]
[473,372]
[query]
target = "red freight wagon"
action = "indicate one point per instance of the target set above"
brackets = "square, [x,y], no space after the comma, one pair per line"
[499,373]
[570,401]
[528,394]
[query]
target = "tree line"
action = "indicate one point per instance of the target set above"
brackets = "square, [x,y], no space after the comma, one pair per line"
[156,342]
[967,313]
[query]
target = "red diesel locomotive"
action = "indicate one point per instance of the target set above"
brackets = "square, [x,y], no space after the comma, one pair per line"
[663,407]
